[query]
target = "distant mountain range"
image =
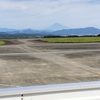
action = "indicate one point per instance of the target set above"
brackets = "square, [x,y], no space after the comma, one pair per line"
[78,31]
[55,29]
[51,28]
[6,30]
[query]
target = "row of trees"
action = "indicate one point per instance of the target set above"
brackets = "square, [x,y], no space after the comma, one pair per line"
[15,36]
[57,36]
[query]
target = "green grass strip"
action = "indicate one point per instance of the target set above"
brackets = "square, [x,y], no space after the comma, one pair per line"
[72,40]
[2,42]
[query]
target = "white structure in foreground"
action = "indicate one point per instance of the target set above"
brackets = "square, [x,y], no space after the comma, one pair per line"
[72,91]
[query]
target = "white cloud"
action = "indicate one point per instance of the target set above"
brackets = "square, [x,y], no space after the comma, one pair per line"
[36,13]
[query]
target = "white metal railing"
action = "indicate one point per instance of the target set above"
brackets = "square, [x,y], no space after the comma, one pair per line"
[71,91]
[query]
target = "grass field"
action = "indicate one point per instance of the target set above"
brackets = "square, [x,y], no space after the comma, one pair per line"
[72,40]
[2,42]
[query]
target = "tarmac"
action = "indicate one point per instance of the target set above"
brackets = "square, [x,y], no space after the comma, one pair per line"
[27,62]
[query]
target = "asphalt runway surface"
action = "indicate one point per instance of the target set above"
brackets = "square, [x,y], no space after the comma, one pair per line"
[27,62]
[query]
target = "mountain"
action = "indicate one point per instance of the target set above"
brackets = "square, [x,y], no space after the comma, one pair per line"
[6,30]
[78,31]
[56,27]
[29,31]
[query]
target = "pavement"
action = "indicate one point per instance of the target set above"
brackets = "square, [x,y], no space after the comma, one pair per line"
[26,62]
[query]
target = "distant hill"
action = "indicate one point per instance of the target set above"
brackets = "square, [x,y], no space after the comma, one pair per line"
[78,31]
[30,31]
[56,27]
[4,32]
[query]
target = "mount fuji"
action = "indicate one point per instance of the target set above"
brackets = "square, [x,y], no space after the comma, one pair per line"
[56,27]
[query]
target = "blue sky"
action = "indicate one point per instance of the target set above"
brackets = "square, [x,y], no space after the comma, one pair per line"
[38,14]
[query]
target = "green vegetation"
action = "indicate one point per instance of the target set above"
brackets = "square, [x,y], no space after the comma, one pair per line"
[72,40]
[2,42]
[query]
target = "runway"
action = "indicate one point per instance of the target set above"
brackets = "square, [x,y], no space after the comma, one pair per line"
[26,62]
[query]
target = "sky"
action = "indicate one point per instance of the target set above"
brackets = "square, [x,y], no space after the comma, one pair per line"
[39,14]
